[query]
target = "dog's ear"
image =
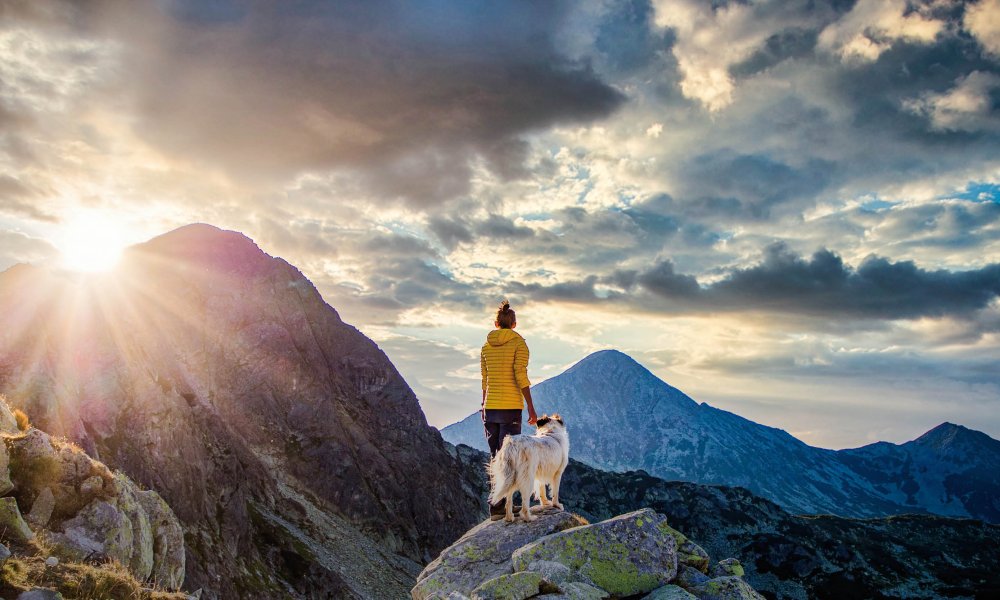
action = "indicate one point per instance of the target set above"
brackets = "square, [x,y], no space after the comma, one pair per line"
[542,421]
[558,418]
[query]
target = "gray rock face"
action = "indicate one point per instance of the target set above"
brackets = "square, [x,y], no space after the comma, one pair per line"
[4,555]
[626,555]
[6,485]
[167,541]
[725,588]
[8,424]
[689,577]
[729,566]
[12,525]
[512,586]
[670,592]
[40,594]
[950,470]
[484,552]
[42,507]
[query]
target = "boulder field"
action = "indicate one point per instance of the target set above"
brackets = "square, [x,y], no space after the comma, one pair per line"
[560,555]
[56,495]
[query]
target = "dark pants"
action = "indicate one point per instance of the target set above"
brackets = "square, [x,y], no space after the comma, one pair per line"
[499,424]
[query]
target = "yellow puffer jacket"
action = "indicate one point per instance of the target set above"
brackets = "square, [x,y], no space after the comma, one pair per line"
[504,362]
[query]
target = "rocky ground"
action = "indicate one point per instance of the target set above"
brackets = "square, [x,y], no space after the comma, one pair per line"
[559,555]
[795,556]
[71,525]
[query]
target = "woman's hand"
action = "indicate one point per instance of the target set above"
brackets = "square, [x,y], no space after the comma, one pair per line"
[532,417]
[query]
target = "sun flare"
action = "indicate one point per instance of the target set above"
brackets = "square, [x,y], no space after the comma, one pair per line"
[91,243]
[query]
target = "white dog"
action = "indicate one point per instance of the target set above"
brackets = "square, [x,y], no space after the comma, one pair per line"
[524,461]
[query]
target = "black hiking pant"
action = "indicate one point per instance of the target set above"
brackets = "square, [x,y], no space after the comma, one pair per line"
[499,423]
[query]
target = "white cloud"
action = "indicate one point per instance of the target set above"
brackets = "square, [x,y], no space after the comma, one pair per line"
[710,40]
[983,21]
[871,28]
[965,107]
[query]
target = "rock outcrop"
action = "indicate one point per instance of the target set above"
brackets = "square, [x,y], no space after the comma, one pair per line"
[789,556]
[82,511]
[284,439]
[562,556]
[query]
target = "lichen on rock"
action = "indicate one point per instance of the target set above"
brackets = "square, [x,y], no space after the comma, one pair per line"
[626,555]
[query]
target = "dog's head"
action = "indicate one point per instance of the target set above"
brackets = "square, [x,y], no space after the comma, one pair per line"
[550,421]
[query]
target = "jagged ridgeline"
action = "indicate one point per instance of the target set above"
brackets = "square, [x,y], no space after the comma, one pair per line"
[295,456]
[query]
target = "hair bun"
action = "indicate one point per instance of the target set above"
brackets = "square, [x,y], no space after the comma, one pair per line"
[504,305]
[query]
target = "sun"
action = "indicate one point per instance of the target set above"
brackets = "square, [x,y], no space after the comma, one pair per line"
[91,243]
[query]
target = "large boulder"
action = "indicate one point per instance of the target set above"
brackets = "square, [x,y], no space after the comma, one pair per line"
[100,530]
[6,485]
[141,560]
[38,461]
[512,586]
[41,508]
[8,423]
[627,555]
[484,553]
[688,553]
[168,541]
[12,525]
[670,592]
[729,587]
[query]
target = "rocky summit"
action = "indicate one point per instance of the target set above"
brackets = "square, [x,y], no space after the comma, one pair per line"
[787,556]
[561,555]
[286,442]
[950,471]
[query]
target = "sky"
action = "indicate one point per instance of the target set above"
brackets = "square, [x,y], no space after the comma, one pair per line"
[787,209]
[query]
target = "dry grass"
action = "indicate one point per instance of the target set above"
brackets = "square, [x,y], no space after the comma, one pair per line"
[22,419]
[109,581]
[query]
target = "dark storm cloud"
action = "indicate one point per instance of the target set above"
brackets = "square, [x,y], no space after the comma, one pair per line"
[405,93]
[821,286]
[751,185]
[880,92]
[824,286]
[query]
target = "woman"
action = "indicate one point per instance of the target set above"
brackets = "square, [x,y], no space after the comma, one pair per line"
[504,364]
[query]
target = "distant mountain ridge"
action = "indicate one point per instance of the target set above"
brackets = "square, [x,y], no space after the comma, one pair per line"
[621,417]
[790,556]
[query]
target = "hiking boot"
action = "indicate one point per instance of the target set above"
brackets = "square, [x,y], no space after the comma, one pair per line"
[498,510]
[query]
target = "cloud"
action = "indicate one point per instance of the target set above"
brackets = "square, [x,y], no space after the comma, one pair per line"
[824,286]
[405,95]
[982,20]
[969,106]
[873,26]
[17,247]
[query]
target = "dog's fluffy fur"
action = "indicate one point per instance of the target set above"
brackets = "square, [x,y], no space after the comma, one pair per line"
[524,461]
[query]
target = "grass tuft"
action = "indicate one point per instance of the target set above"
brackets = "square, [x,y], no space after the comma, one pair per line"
[78,581]
[22,419]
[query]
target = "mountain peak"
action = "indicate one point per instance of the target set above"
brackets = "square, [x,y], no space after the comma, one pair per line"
[603,359]
[947,435]
[206,245]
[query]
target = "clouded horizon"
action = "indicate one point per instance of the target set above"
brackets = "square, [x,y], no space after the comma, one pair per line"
[790,210]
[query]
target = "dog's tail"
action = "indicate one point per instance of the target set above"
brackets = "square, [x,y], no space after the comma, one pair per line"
[503,471]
